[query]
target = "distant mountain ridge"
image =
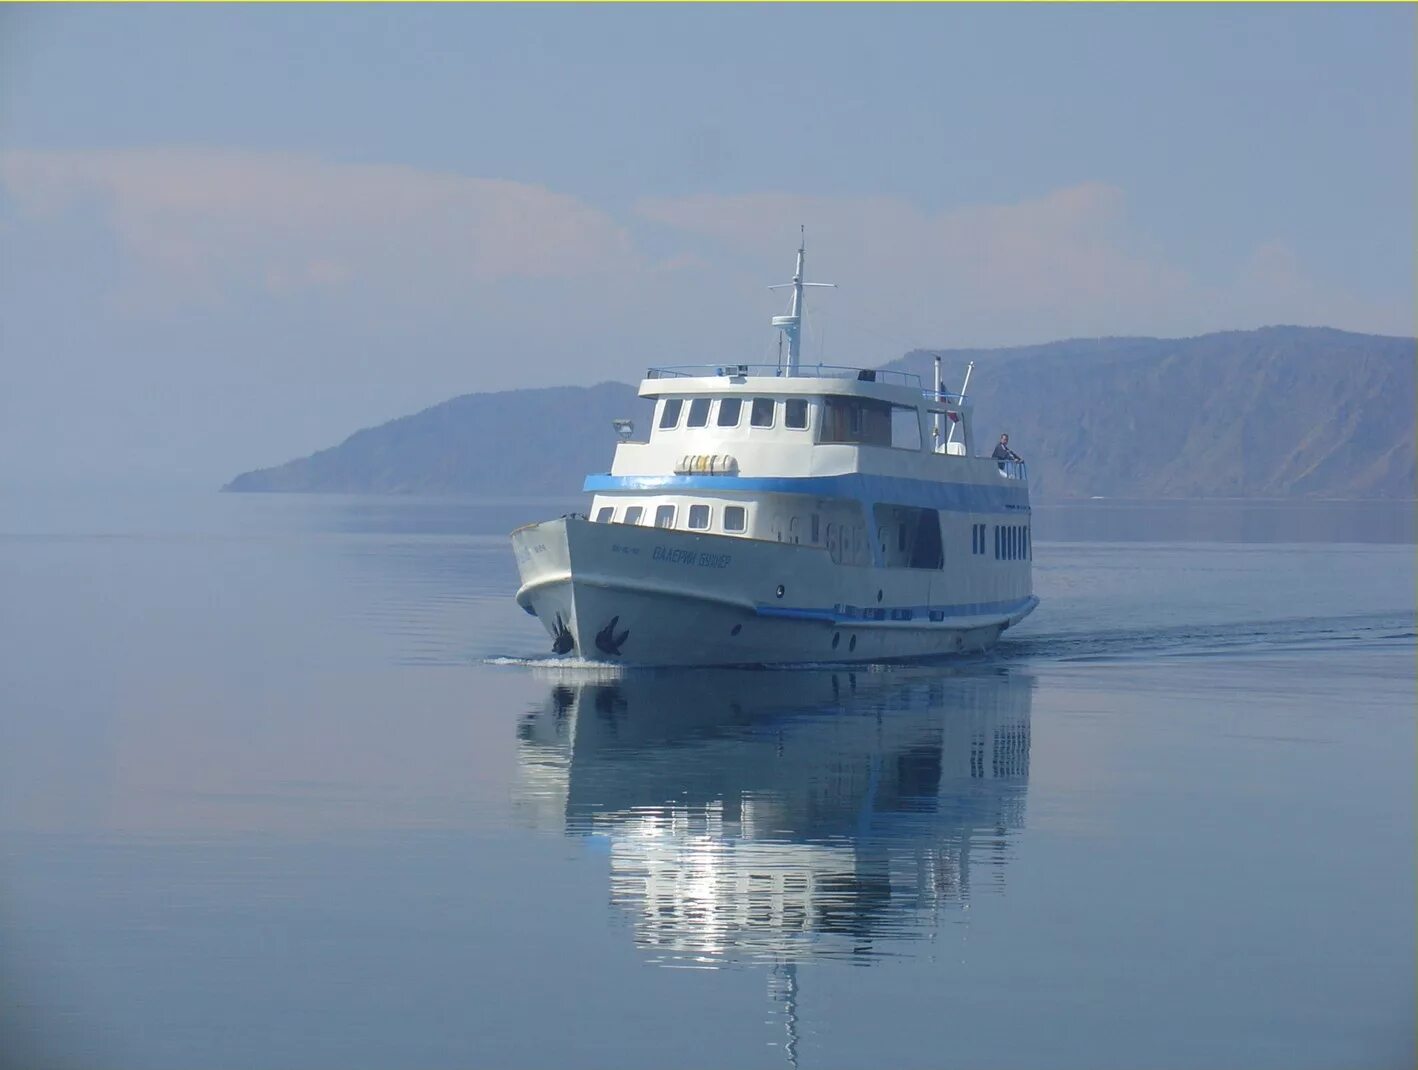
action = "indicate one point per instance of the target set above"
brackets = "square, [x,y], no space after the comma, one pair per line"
[1270,413]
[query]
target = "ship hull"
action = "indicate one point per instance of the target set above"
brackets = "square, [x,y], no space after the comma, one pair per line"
[661,597]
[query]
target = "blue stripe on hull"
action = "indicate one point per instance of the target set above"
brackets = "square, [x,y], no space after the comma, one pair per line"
[842,614]
[858,486]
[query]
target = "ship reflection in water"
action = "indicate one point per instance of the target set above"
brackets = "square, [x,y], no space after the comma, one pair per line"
[780,816]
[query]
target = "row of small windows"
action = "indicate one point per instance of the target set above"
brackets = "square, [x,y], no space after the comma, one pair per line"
[700,516]
[1011,542]
[729,412]
[916,531]
[848,420]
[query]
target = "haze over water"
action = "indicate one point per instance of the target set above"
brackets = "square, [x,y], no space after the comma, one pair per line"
[290,782]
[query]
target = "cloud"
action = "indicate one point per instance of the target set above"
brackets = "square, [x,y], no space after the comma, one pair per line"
[1274,285]
[210,227]
[1066,263]
[1070,263]
[198,224]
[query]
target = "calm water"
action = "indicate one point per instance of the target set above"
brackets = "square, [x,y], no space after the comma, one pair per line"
[286,782]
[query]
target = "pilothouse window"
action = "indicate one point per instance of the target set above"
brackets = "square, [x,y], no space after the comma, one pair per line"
[733,518]
[604,514]
[698,516]
[761,413]
[665,514]
[633,514]
[729,411]
[669,412]
[795,413]
[869,422]
[698,412]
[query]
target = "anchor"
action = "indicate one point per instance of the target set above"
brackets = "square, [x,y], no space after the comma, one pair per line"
[607,642]
[562,641]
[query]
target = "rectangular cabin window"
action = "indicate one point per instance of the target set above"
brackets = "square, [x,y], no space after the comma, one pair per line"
[816,528]
[604,514]
[633,514]
[760,413]
[698,413]
[795,413]
[669,412]
[869,422]
[733,518]
[860,421]
[665,515]
[905,428]
[730,409]
[699,516]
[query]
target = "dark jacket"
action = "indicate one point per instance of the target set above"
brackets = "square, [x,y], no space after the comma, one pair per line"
[1004,453]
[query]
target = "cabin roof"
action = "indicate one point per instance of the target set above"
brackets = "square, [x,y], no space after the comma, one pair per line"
[903,388]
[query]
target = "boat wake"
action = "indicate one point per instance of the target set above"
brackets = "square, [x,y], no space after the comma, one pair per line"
[1240,638]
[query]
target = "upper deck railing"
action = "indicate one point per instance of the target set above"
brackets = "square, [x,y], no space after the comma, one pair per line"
[817,371]
[811,371]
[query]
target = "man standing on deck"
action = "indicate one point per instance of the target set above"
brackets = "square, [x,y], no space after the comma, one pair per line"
[1004,453]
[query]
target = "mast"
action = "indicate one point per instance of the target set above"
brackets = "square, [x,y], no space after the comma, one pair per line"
[936,445]
[792,324]
[964,388]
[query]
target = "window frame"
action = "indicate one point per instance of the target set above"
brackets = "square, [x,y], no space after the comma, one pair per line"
[689,417]
[707,513]
[742,515]
[788,404]
[660,515]
[738,414]
[666,406]
[772,404]
[633,513]
[605,514]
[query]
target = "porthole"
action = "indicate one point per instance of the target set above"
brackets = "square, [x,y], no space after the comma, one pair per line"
[878,596]
[780,591]
[836,640]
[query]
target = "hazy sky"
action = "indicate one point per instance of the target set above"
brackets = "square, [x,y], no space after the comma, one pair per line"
[231,235]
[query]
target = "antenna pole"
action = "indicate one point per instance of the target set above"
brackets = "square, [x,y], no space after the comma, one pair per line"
[795,336]
[935,417]
[792,324]
[963,387]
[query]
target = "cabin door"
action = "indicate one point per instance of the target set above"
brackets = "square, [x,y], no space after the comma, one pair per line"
[778,525]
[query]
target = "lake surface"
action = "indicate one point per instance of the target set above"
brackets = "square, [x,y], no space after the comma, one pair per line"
[289,782]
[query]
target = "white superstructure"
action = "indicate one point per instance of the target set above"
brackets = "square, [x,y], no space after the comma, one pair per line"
[787,513]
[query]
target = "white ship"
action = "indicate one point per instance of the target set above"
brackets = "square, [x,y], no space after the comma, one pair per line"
[786,513]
